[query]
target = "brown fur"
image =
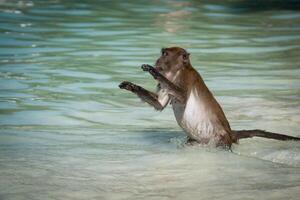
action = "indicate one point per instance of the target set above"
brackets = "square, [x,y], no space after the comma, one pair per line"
[187,79]
[178,81]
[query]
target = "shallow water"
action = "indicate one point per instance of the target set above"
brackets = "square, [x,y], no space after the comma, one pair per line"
[68,132]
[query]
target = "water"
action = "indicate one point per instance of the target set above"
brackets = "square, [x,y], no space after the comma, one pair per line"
[68,132]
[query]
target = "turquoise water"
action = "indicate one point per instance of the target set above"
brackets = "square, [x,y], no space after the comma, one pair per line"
[68,132]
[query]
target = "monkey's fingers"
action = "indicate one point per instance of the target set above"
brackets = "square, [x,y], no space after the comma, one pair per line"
[146,67]
[151,70]
[127,86]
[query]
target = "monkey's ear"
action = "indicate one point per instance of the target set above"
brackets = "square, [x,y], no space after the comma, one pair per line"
[185,57]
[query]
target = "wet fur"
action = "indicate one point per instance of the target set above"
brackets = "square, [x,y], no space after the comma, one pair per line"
[196,110]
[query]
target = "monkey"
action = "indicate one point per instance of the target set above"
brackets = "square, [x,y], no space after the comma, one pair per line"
[195,108]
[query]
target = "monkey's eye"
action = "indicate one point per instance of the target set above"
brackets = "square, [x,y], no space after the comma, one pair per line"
[164,53]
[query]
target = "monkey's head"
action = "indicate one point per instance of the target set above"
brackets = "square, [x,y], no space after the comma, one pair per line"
[171,60]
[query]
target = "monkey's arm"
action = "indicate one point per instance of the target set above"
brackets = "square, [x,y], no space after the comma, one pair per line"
[173,89]
[158,101]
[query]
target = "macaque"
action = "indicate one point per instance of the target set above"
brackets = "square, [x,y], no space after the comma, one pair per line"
[196,110]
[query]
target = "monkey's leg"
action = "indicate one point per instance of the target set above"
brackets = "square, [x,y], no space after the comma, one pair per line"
[174,90]
[191,141]
[147,96]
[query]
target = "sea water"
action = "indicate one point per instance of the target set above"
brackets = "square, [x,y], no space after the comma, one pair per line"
[68,132]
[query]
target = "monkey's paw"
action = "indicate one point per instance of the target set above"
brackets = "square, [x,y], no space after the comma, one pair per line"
[151,70]
[147,68]
[127,86]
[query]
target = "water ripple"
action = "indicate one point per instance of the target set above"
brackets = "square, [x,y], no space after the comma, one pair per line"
[63,117]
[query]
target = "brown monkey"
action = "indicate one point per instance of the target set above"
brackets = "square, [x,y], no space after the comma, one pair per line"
[196,110]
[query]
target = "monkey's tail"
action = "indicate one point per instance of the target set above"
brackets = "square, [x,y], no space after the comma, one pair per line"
[241,134]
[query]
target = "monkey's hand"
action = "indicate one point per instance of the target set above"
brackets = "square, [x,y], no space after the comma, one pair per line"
[151,70]
[174,90]
[145,95]
[146,67]
[128,86]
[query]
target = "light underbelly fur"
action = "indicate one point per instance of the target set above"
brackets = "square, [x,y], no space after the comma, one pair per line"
[194,118]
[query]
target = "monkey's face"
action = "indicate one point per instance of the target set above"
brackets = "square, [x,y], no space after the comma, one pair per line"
[171,60]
